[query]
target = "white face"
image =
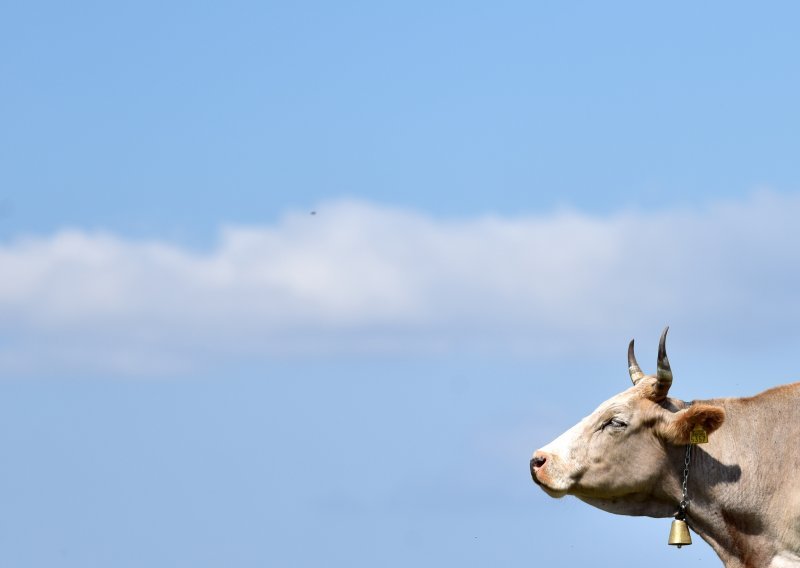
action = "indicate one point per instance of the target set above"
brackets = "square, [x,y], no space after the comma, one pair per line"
[615,453]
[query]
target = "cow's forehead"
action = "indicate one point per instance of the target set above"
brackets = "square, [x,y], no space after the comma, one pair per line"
[625,399]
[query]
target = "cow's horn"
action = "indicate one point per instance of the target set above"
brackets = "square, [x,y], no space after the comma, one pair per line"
[633,367]
[664,372]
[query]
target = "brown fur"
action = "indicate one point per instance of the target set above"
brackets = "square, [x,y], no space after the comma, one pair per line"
[678,429]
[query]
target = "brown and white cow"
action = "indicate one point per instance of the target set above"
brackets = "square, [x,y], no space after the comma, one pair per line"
[627,457]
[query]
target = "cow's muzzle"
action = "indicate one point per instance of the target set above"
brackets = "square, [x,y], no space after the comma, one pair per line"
[537,462]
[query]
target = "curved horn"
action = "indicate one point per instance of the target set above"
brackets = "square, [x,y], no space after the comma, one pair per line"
[633,367]
[664,372]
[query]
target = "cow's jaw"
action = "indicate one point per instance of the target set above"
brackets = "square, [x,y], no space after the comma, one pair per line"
[636,505]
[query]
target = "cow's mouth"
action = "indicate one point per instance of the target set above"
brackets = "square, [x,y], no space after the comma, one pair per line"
[556,493]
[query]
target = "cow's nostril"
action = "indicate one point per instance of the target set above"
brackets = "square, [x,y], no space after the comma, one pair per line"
[538,461]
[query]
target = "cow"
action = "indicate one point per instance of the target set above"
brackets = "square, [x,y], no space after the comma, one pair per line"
[742,487]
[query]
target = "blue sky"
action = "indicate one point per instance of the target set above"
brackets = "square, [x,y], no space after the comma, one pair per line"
[199,372]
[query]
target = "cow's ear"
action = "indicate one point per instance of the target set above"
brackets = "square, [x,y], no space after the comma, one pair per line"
[678,428]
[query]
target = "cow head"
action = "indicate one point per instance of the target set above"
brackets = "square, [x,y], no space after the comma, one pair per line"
[619,458]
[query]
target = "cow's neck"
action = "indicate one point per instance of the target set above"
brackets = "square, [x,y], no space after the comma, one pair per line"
[727,507]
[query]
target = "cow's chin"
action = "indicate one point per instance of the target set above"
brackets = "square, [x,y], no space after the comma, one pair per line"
[547,486]
[555,493]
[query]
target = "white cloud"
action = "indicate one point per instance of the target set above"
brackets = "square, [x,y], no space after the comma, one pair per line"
[359,278]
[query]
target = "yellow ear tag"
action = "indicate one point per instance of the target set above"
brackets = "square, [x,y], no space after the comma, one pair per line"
[698,436]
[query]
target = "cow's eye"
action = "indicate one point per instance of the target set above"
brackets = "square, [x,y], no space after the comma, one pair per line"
[616,424]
